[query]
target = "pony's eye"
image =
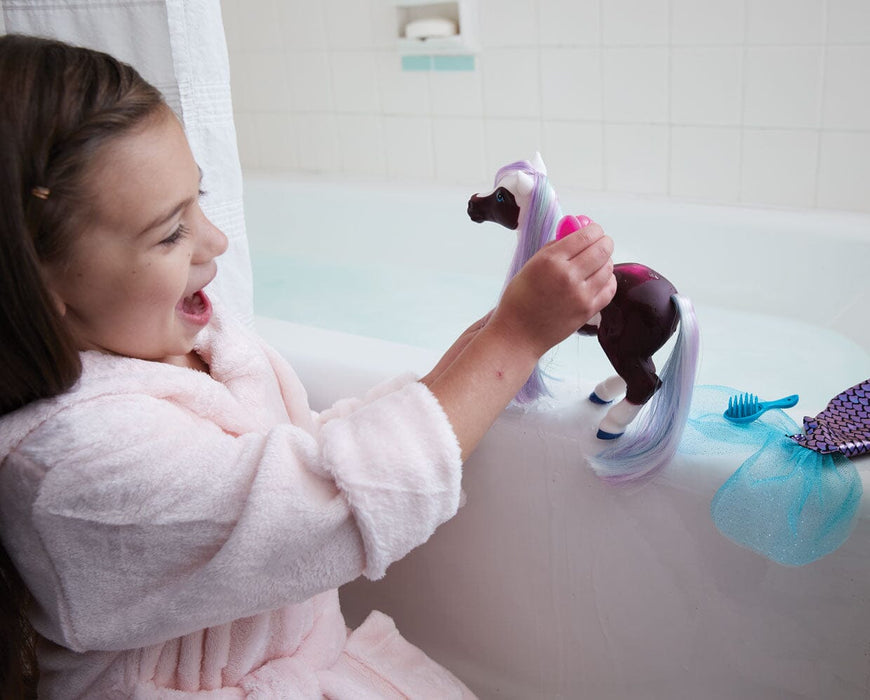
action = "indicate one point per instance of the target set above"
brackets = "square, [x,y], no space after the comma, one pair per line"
[499,196]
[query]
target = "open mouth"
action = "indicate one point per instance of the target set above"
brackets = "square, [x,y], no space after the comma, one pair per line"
[196,308]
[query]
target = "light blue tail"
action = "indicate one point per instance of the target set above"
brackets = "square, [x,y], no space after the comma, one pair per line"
[652,440]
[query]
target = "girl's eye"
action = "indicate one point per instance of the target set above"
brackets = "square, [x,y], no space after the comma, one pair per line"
[175,236]
[499,196]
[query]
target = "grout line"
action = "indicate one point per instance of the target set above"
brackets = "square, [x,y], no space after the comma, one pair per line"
[821,113]
[670,110]
[599,46]
[742,123]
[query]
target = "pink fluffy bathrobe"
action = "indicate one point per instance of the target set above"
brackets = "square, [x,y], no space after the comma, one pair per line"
[183,534]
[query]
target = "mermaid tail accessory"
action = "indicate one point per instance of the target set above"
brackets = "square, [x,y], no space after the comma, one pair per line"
[844,425]
[789,504]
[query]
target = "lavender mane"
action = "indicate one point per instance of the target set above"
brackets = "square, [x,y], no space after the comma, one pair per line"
[538,220]
[537,227]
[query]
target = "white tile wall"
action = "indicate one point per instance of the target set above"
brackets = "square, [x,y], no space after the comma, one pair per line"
[735,101]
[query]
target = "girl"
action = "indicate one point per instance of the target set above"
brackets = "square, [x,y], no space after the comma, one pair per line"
[178,517]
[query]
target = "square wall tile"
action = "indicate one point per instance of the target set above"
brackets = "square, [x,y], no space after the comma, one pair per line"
[705,163]
[348,24]
[509,140]
[354,81]
[707,22]
[385,24]
[401,91]
[785,21]
[779,167]
[310,79]
[459,149]
[706,86]
[636,158]
[361,144]
[848,22]
[635,85]
[574,154]
[847,88]
[409,147]
[511,83]
[302,24]
[317,136]
[260,81]
[247,139]
[571,84]
[783,86]
[844,171]
[634,22]
[277,141]
[508,23]
[252,25]
[568,23]
[456,94]
[243,71]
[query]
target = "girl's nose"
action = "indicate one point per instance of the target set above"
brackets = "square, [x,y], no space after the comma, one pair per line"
[210,241]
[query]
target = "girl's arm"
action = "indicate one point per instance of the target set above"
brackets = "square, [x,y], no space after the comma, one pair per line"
[557,291]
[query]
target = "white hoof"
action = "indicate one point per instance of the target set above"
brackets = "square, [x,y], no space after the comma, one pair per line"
[610,388]
[617,419]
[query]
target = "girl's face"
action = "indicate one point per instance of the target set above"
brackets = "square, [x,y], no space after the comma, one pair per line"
[132,282]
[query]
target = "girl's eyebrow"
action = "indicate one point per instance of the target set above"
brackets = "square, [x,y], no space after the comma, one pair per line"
[163,218]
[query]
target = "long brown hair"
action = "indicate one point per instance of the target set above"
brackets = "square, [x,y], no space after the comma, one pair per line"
[60,105]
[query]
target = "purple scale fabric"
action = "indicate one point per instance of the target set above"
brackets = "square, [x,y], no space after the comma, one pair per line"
[844,425]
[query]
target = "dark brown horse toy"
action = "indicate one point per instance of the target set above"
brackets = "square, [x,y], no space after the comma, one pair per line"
[643,315]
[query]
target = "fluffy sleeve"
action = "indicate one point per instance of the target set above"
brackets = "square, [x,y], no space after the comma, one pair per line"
[151,522]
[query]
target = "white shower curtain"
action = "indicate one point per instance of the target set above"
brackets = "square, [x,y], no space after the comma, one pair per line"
[178,46]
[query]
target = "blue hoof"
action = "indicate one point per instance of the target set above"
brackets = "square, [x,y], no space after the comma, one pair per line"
[595,398]
[604,435]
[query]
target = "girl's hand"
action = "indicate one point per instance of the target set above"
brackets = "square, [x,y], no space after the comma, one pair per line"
[556,292]
[563,285]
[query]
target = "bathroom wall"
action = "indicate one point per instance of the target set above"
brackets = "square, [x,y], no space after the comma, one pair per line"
[734,101]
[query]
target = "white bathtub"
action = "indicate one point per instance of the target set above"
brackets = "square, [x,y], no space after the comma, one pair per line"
[549,583]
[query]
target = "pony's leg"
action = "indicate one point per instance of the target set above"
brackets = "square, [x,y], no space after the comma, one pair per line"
[604,392]
[617,419]
[641,383]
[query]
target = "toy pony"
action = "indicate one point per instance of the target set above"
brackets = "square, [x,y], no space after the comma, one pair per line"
[642,316]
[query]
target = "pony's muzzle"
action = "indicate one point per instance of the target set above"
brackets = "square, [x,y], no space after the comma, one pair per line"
[474,210]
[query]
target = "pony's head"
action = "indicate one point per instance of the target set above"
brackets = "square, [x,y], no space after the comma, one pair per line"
[522,199]
[511,195]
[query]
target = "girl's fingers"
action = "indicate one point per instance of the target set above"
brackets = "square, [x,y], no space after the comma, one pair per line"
[603,280]
[575,243]
[594,257]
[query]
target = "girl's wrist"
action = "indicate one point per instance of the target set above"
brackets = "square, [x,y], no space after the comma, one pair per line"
[516,339]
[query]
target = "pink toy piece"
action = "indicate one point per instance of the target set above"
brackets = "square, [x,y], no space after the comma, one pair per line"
[571,223]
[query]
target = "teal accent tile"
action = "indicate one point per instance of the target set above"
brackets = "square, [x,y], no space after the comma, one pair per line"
[453,62]
[416,62]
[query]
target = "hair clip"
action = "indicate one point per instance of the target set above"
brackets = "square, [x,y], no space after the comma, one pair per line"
[40,192]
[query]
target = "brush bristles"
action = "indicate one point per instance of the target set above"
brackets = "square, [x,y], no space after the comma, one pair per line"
[743,405]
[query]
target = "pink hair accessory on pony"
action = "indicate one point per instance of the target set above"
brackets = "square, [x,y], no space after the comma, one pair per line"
[571,223]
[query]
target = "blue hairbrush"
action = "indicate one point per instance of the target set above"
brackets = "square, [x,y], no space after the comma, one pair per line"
[745,408]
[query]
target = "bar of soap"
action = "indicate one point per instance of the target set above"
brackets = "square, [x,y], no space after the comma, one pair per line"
[430,28]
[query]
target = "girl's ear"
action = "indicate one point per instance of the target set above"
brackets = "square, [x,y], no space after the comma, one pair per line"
[56,298]
[59,303]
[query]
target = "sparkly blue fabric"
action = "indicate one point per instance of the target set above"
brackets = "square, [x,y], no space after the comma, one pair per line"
[788,503]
